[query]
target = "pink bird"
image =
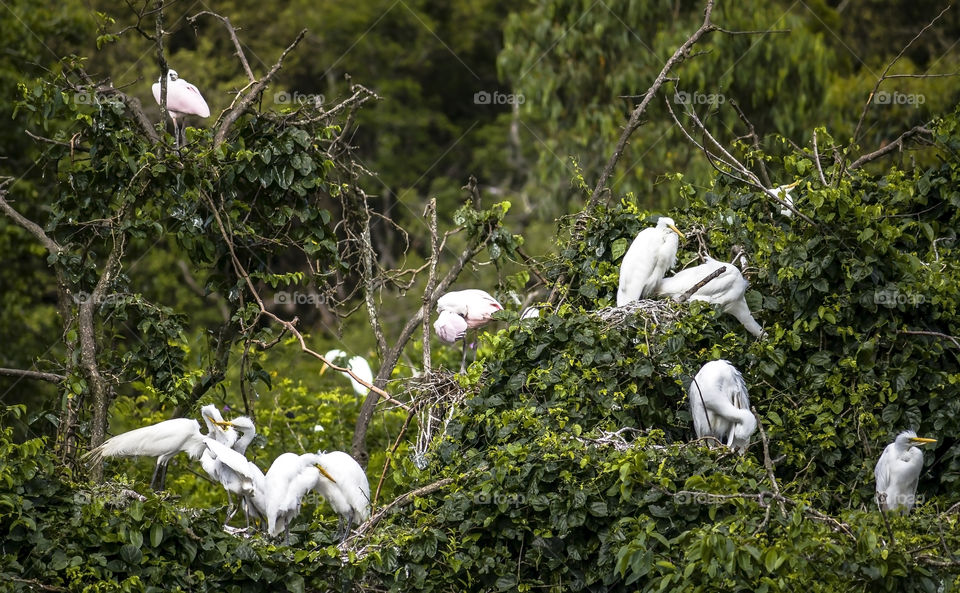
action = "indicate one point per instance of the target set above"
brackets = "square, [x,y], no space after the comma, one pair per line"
[450,327]
[182,99]
[475,308]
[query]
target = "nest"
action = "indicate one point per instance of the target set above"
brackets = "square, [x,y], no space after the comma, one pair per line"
[649,311]
[436,397]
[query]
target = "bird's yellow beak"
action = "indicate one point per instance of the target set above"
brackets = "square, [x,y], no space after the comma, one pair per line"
[677,231]
[324,472]
[324,368]
[922,441]
[792,185]
[222,424]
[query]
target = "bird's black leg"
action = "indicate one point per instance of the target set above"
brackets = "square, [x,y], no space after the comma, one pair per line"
[156,473]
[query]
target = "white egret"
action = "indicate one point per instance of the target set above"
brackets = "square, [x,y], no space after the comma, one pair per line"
[277,494]
[726,290]
[475,306]
[652,253]
[231,481]
[162,440]
[782,192]
[898,471]
[720,405]
[357,364]
[347,490]
[182,99]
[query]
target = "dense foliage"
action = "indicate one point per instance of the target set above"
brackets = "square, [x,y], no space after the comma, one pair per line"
[564,459]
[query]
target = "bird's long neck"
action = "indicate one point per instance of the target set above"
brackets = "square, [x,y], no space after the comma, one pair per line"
[246,437]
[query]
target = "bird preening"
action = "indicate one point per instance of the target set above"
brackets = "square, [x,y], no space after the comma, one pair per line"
[720,405]
[463,310]
[183,99]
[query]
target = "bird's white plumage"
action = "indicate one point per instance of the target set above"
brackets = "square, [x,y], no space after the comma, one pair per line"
[357,364]
[727,290]
[783,193]
[530,313]
[348,493]
[652,253]
[720,405]
[898,471]
[162,440]
[474,305]
[183,98]
[450,327]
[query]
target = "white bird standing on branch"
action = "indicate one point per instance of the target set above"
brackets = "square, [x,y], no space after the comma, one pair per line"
[652,253]
[720,405]
[474,306]
[162,440]
[727,290]
[898,471]
[183,99]
[347,490]
[357,364]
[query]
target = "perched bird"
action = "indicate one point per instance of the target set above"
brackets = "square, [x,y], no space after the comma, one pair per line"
[162,440]
[347,490]
[652,253]
[720,405]
[475,306]
[276,495]
[726,290]
[231,481]
[898,470]
[357,364]
[783,193]
[182,99]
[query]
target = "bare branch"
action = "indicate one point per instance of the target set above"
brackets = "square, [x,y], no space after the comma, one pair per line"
[38,375]
[883,76]
[251,96]
[33,228]
[897,144]
[917,332]
[634,122]
[693,289]
[233,37]
[816,160]
[430,213]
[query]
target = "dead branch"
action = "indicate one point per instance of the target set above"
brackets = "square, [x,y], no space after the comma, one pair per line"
[235,112]
[898,144]
[38,375]
[917,332]
[430,213]
[233,37]
[883,76]
[816,160]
